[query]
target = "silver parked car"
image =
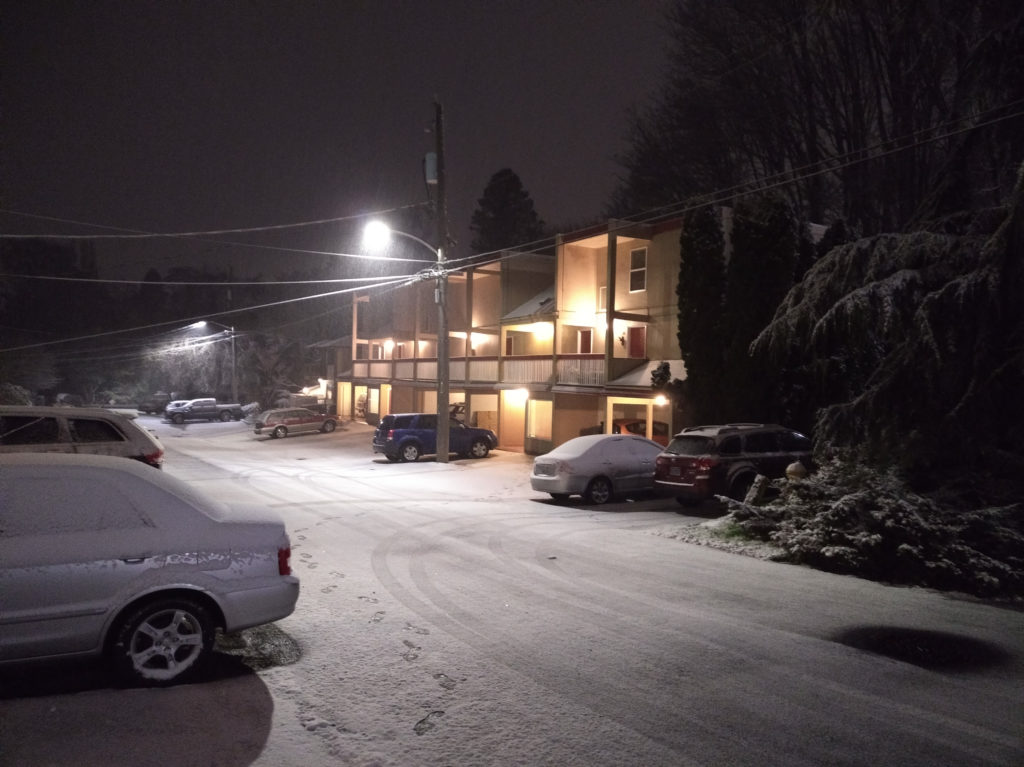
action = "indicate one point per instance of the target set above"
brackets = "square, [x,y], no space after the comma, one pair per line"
[293,420]
[104,556]
[596,466]
[82,430]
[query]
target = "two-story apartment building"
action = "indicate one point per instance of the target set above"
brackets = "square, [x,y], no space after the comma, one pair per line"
[540,348]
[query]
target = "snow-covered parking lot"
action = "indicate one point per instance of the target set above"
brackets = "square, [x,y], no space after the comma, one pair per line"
[451,615]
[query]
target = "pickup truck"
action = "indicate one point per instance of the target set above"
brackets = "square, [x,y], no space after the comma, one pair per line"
[407,436]
[205,409]
[155,403]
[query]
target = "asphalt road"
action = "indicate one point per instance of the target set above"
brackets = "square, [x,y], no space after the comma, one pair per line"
[451,616]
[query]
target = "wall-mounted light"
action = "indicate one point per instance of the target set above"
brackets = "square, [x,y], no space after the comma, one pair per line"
[542,330]
[517,396]
[622,340]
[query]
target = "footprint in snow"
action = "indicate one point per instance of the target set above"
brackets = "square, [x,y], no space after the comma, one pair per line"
[426,724]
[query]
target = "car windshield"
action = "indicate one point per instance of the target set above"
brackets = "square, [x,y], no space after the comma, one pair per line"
[690,444]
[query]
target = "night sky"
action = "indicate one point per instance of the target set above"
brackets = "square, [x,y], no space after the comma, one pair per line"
[195,116]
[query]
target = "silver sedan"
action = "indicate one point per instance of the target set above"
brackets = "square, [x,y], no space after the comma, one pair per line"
[597,467]
[102,555]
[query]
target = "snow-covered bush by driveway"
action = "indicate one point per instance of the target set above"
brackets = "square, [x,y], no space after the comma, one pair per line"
[849,518]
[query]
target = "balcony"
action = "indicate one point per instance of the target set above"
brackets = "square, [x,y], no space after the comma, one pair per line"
[581,369]
[570,369]
[525,370]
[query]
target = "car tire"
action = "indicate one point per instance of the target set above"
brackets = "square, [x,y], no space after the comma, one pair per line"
[328,427]
[479,449]
[279,432]
[559,497]
[409,452]
[392,458]
[225,416]
[178,418]
[163,642]
[598,491]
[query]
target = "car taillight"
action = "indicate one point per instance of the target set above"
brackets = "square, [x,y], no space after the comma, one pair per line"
[154,459]
[284,561]
[706,464]
[391,434]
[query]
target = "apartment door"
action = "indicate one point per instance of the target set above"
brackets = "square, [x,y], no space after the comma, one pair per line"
[638,341]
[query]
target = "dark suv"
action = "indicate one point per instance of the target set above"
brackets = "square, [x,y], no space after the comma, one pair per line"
[702,461]
[407,436]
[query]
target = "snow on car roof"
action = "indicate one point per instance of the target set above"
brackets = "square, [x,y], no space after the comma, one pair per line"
[71,468]
[580,445]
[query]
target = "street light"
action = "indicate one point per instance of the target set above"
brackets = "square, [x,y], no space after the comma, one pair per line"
[376,236]
[231,332]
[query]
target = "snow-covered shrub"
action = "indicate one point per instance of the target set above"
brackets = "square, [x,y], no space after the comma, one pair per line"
[12,394]
[849,518]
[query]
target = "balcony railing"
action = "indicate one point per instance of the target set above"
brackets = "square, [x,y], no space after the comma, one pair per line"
[483,368]
[526,370]
[573,369]
[581,369]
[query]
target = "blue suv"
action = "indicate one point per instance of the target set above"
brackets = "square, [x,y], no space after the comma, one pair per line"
[407,436]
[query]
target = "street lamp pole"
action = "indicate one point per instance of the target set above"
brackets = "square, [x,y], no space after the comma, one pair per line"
[441,295]
[376,235]
[234,377]
[231,331]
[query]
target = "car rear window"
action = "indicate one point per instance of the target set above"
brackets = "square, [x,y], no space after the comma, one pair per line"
[28,430]
[93,430]
[690,445]
[731,445]
[39,506]
[762,442]
[401,422]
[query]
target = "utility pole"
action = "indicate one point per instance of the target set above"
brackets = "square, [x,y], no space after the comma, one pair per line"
[234,376]
[441,293]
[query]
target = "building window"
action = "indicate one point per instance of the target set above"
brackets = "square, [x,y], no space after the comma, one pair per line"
[399,352]
[602,298]
[376,352]
[637,270]
[508,345]
[584,341]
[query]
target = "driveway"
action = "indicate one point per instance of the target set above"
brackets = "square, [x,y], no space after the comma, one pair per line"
[450,615]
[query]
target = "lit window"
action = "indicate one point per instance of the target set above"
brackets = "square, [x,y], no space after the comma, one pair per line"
[637,270]
[538,418]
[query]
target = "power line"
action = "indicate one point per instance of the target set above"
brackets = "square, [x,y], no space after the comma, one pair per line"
[189,319]
[135,234]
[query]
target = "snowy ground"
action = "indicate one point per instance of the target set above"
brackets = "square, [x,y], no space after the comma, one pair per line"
[450,615]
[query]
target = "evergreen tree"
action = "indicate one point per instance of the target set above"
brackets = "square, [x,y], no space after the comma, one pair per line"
[700,291]
[505,217]
[887,114]
[760,273]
